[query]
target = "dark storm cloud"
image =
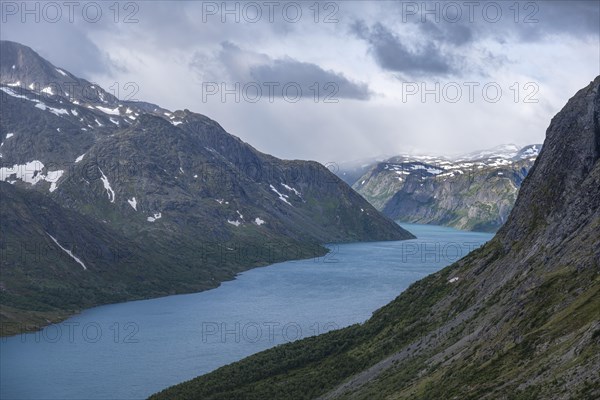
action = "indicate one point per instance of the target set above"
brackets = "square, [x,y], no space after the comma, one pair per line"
[444,36]
[524,21]
[392,54]
[249,67]
[437,49]
[573,18]
[306,75]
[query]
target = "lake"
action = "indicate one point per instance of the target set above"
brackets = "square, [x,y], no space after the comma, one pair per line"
[131,350]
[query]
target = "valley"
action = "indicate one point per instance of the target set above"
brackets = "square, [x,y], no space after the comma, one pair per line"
[519,317]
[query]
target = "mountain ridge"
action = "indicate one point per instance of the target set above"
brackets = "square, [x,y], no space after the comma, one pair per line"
[473,191]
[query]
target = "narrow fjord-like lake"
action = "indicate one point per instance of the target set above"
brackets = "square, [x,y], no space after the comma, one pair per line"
[131,350]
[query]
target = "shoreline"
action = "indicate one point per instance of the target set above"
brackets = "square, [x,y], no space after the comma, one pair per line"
[30,321]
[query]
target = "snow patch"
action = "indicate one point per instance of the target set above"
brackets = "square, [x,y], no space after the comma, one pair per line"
[291,189]
[69,252]
[10,92]
[154,217]
[106,183]
[9,135]
[259,221]
[282,197]
[455,279]
[133,203]
[48,90]
[433,171]
[53,177]
[235,223]
[55,111]
[109,111]
[78,159]
[30,172]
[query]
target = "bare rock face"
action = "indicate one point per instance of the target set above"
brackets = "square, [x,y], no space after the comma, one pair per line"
[559,196]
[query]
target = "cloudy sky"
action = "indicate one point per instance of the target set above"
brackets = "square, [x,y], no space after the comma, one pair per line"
[333,81]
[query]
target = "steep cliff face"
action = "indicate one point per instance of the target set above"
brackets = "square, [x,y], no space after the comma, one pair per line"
[518,318]
[192,204]
[472,192]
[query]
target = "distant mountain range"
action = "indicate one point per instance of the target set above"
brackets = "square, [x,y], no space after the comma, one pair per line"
[518,318]
[475,191]
[105,200]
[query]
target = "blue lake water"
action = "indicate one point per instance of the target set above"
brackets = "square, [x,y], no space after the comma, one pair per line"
[131,350]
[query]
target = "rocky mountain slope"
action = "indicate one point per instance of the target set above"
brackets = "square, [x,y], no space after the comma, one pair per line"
[472,192]
[106,200]
[518,318]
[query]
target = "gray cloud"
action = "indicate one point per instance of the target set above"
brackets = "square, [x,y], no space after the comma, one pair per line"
[306,75]
[526,21]
[574,18]
[392,54]
[250,67]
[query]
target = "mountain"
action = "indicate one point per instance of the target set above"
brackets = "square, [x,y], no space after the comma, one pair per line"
[106,200]
[351,171]
[475,191]
[518,318]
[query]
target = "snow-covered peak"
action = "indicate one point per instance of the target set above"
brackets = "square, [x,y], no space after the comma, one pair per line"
[506,151]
